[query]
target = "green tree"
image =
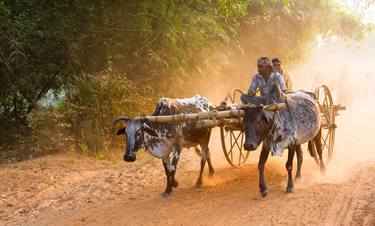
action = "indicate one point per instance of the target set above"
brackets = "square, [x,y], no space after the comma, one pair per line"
[114,57]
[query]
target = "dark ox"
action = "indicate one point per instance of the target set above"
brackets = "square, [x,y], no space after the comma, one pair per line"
[162,139]
[288,128]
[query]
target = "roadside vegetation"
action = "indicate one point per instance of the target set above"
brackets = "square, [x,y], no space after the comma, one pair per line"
[68,68]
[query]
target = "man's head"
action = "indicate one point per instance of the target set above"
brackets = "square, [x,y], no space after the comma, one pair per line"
[276,64]
[264,66]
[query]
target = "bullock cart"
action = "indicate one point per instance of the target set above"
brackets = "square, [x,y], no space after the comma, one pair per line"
[228,117]
[232,135]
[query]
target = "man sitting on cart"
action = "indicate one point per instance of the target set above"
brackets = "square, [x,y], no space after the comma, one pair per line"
[262,81]
[276,64]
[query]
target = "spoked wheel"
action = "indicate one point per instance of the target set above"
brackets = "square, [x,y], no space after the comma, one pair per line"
[328,125]
[232,138]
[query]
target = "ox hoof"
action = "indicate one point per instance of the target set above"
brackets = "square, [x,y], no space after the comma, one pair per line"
[198,185]
[175,184]
[211,175]
[264,193]
[165,194]
[290,190]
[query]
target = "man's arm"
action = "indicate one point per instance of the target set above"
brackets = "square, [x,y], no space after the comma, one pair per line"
[253,87]
[282,84]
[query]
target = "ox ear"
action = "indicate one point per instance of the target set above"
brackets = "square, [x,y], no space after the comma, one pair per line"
[147,128]
[275,107]
[121,131]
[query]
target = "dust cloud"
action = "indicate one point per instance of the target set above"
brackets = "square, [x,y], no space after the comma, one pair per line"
[348,69]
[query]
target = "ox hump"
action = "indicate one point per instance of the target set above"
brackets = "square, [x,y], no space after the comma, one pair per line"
[168,106]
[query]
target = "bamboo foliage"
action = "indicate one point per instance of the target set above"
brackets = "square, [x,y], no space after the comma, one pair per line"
[118,57]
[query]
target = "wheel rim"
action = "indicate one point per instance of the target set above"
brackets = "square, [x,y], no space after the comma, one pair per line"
[328,125]
[232,139]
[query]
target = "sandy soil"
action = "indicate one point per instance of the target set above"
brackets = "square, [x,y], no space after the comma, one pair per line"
[71,190]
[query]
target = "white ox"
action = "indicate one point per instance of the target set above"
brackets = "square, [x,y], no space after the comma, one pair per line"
[290,127]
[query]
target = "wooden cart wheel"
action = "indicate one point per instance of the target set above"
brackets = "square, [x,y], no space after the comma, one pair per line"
[328,125]
[232,138]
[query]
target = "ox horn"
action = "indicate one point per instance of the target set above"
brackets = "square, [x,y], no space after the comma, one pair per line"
[121,118]
[275,107]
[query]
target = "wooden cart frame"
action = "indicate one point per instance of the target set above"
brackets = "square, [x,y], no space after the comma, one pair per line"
[232,136]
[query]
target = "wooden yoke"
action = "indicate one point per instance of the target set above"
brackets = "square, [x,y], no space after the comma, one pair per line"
[211,115]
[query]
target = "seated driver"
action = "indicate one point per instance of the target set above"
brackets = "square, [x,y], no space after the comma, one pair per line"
[262,81]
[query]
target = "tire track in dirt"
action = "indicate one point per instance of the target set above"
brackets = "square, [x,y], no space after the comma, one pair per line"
[354,200]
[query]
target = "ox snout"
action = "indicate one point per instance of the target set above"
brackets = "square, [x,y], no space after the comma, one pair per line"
[129,158]
[250,146]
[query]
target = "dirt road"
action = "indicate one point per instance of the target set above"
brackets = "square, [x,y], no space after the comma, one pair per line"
[237,202]
[107,197]
[66,190]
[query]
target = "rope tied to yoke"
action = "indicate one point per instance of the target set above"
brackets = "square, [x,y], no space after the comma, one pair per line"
[213,116]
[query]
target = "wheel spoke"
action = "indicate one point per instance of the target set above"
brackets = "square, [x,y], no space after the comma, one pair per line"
[325,141]
[324,113]
[236,141]
[241,155]
[232,143]
[331,144]
[231,148]
[241,145]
